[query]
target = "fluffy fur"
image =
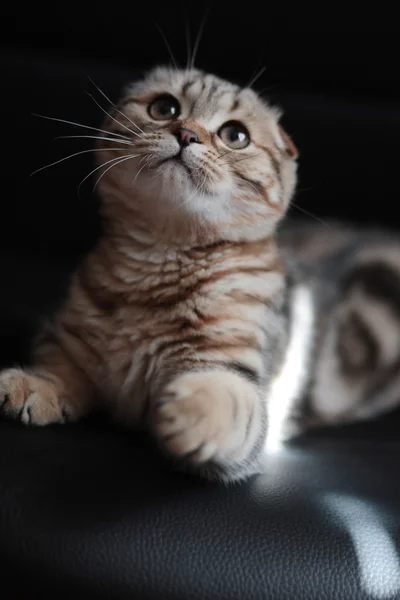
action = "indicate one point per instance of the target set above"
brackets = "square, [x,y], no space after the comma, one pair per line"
[176,320]
[354,363]
[186,319]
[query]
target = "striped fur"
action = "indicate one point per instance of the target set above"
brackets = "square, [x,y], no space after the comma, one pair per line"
[176,321]
[354,278]
[189,318]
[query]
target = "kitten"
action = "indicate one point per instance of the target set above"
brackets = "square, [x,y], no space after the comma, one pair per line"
[192,317]
[176,321]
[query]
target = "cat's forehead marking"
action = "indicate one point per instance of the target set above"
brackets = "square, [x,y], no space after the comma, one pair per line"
[210,100]
[204,91]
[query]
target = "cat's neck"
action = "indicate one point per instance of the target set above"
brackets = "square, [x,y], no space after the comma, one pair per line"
[157,246]
[132,268]
[147,261]
[132,222]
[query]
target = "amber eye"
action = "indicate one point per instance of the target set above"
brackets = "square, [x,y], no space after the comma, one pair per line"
[164,108]
[234,135]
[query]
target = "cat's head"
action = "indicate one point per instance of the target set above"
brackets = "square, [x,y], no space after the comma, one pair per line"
[199,150]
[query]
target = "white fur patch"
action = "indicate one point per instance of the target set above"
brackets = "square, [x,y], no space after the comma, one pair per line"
[273,195]
[288,386]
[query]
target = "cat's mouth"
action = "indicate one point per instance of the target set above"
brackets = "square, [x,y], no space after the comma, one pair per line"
[197,174]
[178,160]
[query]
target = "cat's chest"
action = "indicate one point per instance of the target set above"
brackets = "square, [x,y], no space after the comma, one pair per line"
[145,337]
[182,302]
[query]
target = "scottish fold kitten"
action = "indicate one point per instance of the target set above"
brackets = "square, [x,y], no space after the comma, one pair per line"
[186,319]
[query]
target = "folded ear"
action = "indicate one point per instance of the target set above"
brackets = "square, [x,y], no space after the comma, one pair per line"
[289,145]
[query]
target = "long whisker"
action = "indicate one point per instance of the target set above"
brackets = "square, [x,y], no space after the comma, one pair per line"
[256,76]
[113,105]
[123,159]
[272,86]
[94,137]
[188,50]
[111,117]
[167,46]
[309,214]
[99,167]
[224,154]
[138,173]
[198,37]
[79,125]
[147,157]
[245,182]
[71,156]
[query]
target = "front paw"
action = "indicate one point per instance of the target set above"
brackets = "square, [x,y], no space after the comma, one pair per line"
[30,399]
[212,416]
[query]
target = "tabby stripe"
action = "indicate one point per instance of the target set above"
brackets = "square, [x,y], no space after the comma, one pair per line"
[235,406]
[103,304]
[207,248]
[69,330]
[379,280]
[187,85]
[356,327]
[204,343]
[275,162]
[250,421]
[253,182]
[183,295]
[235,104]
[214,87]
[241,369]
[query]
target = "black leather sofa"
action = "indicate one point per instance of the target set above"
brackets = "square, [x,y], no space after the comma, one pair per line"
[88,511]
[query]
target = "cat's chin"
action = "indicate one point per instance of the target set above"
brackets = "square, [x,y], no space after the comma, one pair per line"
[175,163]
[172,183]
[176,173]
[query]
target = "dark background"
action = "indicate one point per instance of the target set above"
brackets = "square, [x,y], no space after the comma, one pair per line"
[339,89]
[84,506]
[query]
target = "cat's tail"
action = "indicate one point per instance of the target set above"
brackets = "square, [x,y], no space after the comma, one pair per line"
[357,372]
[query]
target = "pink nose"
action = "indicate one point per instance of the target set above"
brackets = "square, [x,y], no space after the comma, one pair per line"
[186,137]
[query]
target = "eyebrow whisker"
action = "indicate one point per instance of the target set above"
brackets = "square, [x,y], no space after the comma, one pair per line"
[171,54]
[198,37]
[256,76]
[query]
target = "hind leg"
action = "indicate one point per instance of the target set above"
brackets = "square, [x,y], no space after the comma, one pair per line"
[358,367]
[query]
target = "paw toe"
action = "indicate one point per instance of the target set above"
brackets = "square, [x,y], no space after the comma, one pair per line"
[29,399]
[41,409]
